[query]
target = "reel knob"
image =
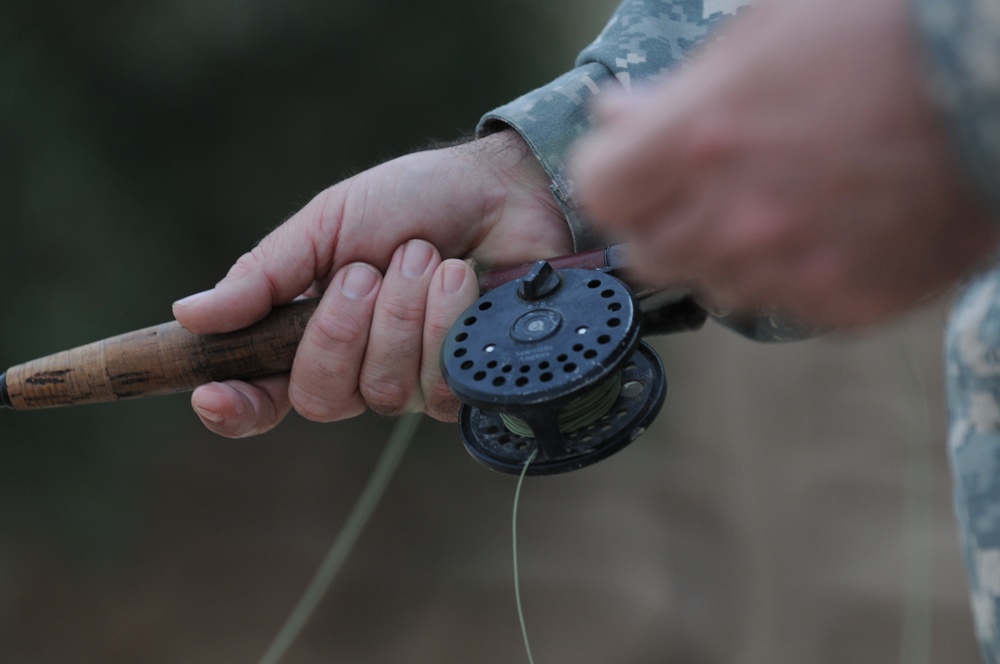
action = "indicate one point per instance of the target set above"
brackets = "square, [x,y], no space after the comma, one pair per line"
[552,365]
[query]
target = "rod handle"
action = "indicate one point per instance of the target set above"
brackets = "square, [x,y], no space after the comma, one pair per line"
[163,359]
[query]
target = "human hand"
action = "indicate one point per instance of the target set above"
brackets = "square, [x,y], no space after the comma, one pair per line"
[384,249]
[794,164]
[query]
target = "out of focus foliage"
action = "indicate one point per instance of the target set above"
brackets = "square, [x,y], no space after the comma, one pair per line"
[144,144]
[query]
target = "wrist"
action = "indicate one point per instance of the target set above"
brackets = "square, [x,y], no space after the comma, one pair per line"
[507,166]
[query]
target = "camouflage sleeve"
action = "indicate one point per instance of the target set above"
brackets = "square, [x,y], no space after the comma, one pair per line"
[643,40]
[962,43]
[973,374]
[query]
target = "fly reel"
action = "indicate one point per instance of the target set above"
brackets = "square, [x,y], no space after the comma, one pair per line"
[551,364]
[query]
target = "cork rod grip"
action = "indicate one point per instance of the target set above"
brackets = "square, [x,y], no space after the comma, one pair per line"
[163,359]
[166,359]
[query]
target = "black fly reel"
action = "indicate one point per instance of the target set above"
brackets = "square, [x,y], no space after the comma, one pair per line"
[552,363]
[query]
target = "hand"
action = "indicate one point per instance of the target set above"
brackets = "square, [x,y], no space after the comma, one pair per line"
[373,246]
[796,163]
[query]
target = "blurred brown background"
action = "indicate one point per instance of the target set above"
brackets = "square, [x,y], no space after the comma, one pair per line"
[790,504]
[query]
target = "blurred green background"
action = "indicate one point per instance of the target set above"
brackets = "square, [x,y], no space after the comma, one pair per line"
[144,146]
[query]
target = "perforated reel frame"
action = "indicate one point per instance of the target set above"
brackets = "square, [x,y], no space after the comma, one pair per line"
[529,357]
[644,388]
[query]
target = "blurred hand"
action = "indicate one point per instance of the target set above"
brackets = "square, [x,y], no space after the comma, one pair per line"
[796,163]
[373,246]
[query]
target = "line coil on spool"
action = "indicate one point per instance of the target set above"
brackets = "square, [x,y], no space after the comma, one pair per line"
[552,362]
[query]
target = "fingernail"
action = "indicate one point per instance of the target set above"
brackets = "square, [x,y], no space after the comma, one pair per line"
[453,277]
[191,299]
[209,415]
[359,281]
[417,256]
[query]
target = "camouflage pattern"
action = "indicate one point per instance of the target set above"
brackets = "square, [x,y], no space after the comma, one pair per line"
[645,39]
[973,374]
[962,41]
[642,42]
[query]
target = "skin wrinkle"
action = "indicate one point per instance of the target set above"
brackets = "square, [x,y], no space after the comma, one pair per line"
[262,409]
[337,330]
[327,227]
[440,403]
[382,396]
[361,198]
[308,264]
[509,178]
[491,204]
[323,234]
[354,206]
[495,203]
[461,184]
[437,399]
[351,246]
[435,196]
[342,331]
[404,313]
[273,286]
[385,391]
[317,408]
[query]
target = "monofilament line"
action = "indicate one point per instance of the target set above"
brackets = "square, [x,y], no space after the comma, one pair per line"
[400,438]
[517,579]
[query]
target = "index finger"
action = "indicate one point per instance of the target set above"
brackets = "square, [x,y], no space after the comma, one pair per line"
[280,268]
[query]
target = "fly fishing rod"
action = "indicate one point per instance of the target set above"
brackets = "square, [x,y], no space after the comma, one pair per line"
[549,359]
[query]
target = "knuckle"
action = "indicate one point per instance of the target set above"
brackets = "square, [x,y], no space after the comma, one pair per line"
[246,264]
[437,328]
[709,139]
[256,263]
[388,412]
[337,331]
[324,215]
[442,404]
[318,408]
[386,395]
[405,314]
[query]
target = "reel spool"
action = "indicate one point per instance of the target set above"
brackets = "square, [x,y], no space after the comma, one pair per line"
[552,362]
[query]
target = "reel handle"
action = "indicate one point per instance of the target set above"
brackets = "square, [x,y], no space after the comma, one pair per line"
[611,257]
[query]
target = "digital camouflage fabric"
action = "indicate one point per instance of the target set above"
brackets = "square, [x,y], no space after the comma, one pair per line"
[645,39]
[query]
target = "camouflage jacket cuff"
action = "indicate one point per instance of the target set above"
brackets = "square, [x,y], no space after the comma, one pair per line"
[550,119]
[642,42]
[962,43]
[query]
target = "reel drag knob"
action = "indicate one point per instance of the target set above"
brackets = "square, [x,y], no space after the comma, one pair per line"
[552,363]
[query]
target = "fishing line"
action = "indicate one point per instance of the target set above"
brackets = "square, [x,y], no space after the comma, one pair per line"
[517,579]
[385,468]
[577,414]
